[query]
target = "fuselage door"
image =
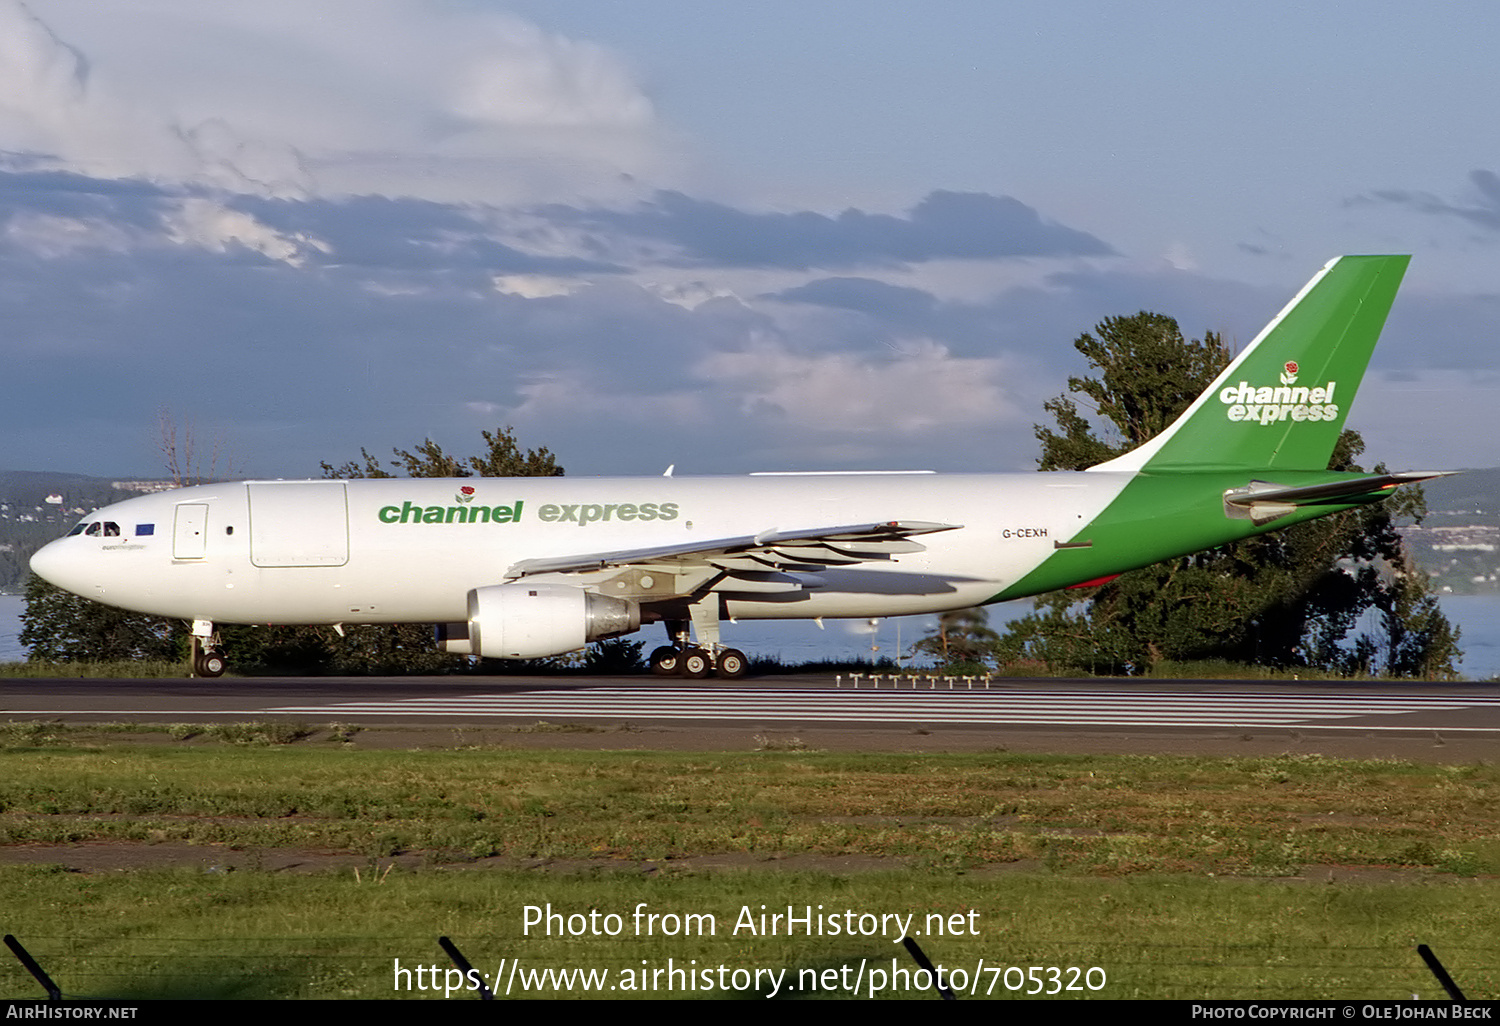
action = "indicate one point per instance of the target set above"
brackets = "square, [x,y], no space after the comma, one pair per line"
[190,535]
[299,523]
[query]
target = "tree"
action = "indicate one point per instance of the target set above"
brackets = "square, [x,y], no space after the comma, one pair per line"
[382,648]
[1295,597]
[58,626]
[501,457]
[961,636]
[182,451]
[1150,374]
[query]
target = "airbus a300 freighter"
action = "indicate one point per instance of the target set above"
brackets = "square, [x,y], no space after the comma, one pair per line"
[519,568]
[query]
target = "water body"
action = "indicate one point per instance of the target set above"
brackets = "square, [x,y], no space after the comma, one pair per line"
[10,625]
[1478,616]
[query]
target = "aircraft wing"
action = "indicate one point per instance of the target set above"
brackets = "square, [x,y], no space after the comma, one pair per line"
[1263,501]
[812,549]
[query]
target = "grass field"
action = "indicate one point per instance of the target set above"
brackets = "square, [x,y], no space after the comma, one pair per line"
[1172,877]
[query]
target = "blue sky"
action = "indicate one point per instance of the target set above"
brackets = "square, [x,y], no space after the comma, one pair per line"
[729,237]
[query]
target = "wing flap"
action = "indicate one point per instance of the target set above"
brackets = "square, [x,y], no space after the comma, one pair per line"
[810,549]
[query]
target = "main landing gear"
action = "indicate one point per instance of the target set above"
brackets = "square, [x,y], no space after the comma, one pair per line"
[682,658]
[696,663]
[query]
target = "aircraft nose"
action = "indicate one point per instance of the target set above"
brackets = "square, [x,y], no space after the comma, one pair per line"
[58,563]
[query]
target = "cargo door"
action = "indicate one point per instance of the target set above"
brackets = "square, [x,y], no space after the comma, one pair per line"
[298,523]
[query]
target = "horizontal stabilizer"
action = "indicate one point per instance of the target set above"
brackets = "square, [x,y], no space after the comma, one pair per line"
[1263,501]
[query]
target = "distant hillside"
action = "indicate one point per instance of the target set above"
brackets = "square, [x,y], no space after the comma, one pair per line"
[1459,541]
[31,488]
[1473,491]
[28,521]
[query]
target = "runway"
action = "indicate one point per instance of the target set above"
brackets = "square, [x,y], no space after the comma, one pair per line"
[992,707]
[1064,705]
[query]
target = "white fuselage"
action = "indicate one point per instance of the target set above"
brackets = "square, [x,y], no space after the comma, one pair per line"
[410,549]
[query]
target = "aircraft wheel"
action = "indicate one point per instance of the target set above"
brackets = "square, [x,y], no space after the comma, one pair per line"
[666,661]
[211,664]
[695,664]
[732,664]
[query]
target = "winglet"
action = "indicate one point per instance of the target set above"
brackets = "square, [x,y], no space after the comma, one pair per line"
[1282,403]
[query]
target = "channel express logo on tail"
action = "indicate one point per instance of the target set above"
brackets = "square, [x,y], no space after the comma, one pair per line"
[1267,404]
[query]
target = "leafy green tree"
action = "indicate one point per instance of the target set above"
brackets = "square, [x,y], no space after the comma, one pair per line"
[614,655]
[1295,597]
[58,626]
[361,650]
[501,457]
[961,636]
[1148,373]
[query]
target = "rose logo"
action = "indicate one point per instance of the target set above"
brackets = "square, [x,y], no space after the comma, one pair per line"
[465,494]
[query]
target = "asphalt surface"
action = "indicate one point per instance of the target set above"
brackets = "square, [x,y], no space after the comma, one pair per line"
[1446,723]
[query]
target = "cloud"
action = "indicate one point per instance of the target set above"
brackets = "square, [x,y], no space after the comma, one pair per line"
[1482,211]
[918,386]
[53,211]
[867,295]
[215,227]
[287,99]
[312,327]
[944,225]
[55,104]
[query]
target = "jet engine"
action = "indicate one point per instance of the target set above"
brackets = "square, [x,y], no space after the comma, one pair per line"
[530,621]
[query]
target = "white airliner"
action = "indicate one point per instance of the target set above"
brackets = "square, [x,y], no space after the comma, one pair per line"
[521,568]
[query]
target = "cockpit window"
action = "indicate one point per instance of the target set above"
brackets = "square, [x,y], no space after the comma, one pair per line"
[106,528]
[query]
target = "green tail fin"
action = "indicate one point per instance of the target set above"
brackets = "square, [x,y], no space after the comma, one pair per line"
[1282,403]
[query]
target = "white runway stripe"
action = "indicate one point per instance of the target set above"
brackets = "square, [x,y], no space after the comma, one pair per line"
[1092,708]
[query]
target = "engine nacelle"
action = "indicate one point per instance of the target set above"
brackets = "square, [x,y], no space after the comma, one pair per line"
[530,621]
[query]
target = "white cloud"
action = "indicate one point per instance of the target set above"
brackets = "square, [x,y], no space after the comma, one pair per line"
[923,387]
[49,236]
[535,286]
[515,75]
[1179,256]
[211,226]
[290,97]
[688,294]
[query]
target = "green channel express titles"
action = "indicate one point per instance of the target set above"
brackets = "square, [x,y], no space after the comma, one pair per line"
[467,511]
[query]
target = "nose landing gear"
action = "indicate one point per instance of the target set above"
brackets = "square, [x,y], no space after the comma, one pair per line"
[207,660]
[209,664]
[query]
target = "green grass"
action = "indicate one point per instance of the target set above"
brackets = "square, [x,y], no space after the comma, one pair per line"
[125,669]
[1179,877]
[246,785]
[182,934]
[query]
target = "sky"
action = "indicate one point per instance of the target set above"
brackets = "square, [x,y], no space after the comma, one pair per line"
[769,236]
